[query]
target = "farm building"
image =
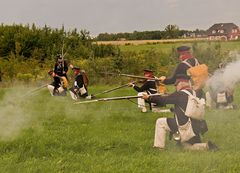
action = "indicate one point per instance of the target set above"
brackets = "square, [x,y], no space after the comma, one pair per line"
[223,31]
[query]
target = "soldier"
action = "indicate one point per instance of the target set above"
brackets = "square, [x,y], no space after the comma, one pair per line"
[221,95]
[184,55]
[196,127]
[61,66]
[187,62]
[59,85]
[79,88]
[149,87]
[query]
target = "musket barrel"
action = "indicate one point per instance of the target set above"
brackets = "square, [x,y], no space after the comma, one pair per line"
[114,98]
[113,89]
[132,76]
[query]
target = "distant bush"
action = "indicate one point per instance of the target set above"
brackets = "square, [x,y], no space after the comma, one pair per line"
[26,78]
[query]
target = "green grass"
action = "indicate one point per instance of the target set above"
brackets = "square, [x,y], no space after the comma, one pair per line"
[167,47]
[58,136]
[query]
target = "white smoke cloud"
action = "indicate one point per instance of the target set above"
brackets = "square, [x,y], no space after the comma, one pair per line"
[13,117]
[225,78]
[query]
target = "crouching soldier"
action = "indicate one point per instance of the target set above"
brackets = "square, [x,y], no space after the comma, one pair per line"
[224,99]
[185,129]
[149,87]
[79,88]
[59,85]
[219,93]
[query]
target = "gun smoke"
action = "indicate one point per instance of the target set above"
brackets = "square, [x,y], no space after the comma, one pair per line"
[225,79]
[13,117]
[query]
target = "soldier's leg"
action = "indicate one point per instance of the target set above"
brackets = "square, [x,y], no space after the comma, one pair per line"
[61,91]
[196,146]
[73,94]
[208,99]
[161,129]
[51,89]
[141,102]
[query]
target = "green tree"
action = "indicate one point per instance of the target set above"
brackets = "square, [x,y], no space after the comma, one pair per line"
[171,31]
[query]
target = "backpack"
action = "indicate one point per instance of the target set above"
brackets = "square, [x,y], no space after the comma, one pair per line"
[195,106]
[222,97]
[198,73]
[64,82]
[161,88]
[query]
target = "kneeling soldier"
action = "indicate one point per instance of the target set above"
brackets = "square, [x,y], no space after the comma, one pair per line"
[180,100]
[59,85]
[79,88]
[149,87]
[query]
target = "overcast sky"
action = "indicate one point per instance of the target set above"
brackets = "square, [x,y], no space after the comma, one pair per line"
[112,16]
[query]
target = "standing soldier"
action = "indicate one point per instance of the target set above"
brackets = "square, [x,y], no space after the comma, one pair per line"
[185,56]
[61,66]
[198,76]
[79,88]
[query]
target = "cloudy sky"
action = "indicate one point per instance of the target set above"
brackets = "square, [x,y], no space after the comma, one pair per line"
[112,16]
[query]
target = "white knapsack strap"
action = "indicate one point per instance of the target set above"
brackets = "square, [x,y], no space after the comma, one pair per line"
[196,62]
[177,120]
[188,93]
[189,65]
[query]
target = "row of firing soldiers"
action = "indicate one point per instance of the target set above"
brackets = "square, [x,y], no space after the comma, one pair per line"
[179,99]
[185,130]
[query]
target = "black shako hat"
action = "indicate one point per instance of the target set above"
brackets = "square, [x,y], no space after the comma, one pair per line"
[148,70]
[182,78]
[76,68]
[183,48]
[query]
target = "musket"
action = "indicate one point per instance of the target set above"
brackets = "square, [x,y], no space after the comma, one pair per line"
[113,89]
[132,76]
[34,90]
[63,54]
[114,98]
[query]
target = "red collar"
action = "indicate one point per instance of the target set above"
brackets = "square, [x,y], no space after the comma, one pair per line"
[186,87]
[186,56]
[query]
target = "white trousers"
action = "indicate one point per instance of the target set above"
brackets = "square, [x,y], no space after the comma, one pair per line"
[160,137]
[141,102]
[73,95]
[196,146]
[208,99]
[161,129]
[51,89]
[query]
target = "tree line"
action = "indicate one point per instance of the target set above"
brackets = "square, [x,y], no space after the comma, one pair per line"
[45,43]
[28,52]
[170,32]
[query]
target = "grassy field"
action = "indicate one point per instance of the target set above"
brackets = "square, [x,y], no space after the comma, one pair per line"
[40,133]
[166,47]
